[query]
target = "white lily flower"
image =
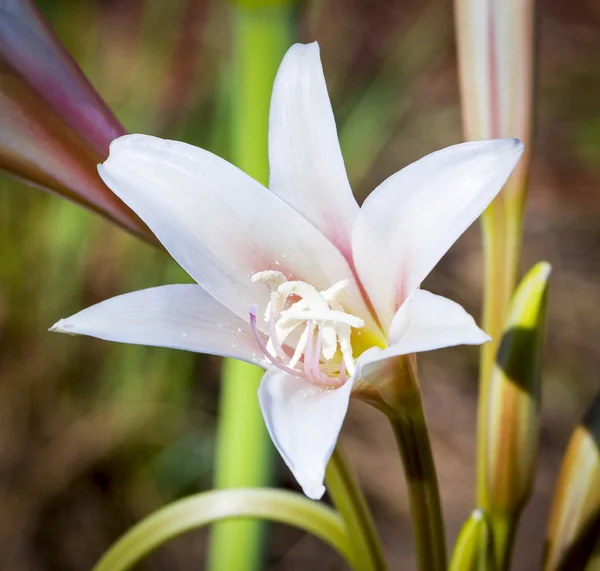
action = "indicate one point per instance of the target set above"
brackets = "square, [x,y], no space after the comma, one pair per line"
[297,278]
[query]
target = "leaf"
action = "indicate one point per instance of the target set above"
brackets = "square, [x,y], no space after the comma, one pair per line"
[208,507]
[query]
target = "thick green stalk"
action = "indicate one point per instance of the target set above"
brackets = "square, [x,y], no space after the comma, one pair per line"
[262,33]
[505,528]
[349,501]
[412,436]
[396,393]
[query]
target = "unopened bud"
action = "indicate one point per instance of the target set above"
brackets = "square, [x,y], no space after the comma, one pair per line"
[514,398]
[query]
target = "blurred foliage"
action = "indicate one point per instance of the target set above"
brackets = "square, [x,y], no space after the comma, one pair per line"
[95,435]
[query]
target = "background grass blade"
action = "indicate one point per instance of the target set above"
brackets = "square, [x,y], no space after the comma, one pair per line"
[262,34]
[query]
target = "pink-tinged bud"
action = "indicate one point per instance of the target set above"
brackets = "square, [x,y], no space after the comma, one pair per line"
[496,60]
[54,127]
[573,537]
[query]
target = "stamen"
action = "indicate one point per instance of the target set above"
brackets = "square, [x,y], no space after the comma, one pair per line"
[311,362]
[273,329]
[308,353]
[328,315]
[305,291]
[277,362]
[316,362]
[326,324]
[271,277]
[332,293]
[300,348]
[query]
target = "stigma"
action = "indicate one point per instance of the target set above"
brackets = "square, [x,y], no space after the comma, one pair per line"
[309,333]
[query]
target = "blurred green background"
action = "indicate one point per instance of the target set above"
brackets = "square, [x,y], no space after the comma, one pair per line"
[94,436]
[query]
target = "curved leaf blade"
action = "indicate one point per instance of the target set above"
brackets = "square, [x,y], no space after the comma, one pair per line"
[208,507]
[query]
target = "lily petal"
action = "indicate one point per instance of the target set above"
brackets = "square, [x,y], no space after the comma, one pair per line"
[425,322]
[413,217]
[306,163]
[221,225]
[177,316]
[304,422]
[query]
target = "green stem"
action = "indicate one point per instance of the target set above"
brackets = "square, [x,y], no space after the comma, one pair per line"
[348,499]
[504,530]
[261,36]
[502,233]
[415,449]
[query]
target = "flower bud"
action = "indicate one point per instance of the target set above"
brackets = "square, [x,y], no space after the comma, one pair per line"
[473,549]
[513,402]
[54,127]
[573,536]
[496,59]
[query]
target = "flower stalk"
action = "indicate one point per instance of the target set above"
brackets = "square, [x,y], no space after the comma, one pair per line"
[401,402]
[349,501]
[412,437]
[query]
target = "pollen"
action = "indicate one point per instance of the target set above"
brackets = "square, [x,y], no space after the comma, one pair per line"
[309,332]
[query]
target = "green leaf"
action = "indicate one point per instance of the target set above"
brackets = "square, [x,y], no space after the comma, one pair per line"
[208,507]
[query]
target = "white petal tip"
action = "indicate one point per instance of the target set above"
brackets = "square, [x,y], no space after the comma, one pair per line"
[312,46]
[512,146]
[518,145]
[476,337]
[62,326]
[135,140]
[314,491]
